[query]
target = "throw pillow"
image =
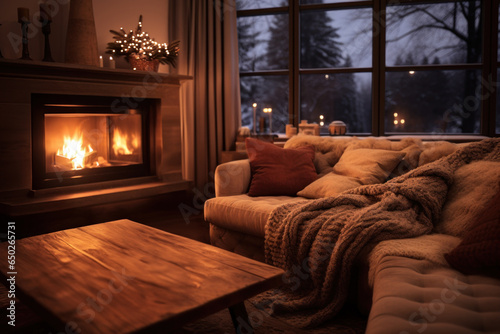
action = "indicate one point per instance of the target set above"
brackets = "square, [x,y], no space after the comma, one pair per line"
[480,249]
[279,171]
[329,185]
[370,166]
[473,187]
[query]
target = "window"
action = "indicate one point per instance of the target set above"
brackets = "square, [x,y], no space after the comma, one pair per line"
[383,67]
[497,127]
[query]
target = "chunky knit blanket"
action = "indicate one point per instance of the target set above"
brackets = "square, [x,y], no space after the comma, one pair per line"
[317,242]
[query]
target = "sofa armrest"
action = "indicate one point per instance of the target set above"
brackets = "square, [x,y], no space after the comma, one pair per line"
[232,178]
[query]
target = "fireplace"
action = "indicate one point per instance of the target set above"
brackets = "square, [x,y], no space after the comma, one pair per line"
[43,103]
[86,139]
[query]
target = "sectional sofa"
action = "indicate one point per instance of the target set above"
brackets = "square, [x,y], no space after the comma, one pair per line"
[408,228]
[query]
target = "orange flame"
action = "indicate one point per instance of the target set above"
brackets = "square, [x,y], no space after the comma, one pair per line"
[73,151]
[120,143]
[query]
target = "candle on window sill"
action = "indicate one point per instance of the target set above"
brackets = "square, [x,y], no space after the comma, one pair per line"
[101,62]
[269,111]
[254,118]
[270,120]
[111,63]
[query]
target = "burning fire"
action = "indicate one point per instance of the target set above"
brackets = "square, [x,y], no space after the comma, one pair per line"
[120,143]
[74,152]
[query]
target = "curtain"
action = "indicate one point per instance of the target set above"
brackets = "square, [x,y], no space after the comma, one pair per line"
[210,103]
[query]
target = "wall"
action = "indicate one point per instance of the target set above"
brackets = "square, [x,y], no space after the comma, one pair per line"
[108,14]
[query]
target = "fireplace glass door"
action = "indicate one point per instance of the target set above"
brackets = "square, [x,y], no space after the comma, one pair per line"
[86,141]
[77,143]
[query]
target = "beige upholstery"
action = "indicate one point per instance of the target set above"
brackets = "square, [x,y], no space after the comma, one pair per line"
[415,296]
[232,178]
[243,213]
[409,295]
[236,242]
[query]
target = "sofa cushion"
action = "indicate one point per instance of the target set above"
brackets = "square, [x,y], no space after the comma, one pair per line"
[278,171]
[329,185]
[480,249]
[436,150]
[414,296]
[356,167]
[328,149]
[474,185]
[370,166]
[244,213]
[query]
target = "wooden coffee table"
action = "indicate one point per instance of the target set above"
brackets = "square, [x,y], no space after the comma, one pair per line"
[123,277]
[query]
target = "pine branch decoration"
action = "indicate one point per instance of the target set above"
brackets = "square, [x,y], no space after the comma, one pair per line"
[139,45]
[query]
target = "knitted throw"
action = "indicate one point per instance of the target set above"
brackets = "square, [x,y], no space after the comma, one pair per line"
[316,242]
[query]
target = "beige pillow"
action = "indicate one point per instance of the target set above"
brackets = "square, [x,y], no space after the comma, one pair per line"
[355,168]
[370,166]
[329,185]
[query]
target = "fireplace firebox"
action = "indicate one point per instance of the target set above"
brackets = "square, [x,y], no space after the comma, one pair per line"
[86,139]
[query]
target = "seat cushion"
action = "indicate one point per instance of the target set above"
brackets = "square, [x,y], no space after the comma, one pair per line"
[415,296]
[243,213]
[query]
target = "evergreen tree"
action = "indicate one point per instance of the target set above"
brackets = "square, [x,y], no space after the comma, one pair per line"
[319,48]
[319,45]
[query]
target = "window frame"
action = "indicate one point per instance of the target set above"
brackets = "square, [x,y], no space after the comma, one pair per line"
[488,66]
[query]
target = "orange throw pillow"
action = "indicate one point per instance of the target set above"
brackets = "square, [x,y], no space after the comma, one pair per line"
[279,171]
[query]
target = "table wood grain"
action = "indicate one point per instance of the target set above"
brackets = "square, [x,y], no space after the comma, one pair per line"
[124,277]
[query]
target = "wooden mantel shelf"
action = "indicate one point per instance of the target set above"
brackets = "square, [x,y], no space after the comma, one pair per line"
[74,72]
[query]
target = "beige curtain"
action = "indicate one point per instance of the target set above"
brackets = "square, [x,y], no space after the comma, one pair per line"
[210,104]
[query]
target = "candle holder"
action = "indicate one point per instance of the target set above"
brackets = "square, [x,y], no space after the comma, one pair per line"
[254,106]
[46,20]
[1,56]
[269,112]
[24,28]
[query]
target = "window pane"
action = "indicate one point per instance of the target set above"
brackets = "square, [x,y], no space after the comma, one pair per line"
[306,2]
[433,101]
[329,39]
[266,92]
[423,34]
[258,4]
[263,42]
[345,97]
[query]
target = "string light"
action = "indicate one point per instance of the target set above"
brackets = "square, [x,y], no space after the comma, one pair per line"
[139,45]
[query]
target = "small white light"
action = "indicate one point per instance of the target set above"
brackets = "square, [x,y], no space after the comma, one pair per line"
[411,72]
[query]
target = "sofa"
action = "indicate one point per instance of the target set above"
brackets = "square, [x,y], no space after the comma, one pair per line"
[441,277]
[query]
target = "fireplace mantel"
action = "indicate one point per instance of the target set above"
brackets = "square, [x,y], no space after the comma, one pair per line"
[20,79]
[78,73]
